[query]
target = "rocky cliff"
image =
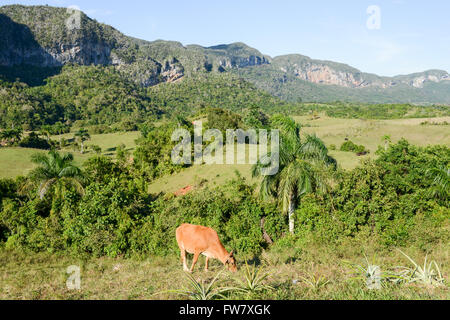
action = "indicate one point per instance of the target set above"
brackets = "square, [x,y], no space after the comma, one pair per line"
[332,73]
[44,36]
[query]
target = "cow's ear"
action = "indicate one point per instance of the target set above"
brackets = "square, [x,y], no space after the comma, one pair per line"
[231,253]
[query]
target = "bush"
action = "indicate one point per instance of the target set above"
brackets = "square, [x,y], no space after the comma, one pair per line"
[349,146]
[104,218]
[35,142]
[100,129]
[386,200]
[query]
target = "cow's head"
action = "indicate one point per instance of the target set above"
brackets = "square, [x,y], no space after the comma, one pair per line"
[231,262]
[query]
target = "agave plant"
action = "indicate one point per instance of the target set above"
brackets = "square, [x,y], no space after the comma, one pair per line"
[200,290]
[370,273]
[315,282]
[254,280]
[429,274]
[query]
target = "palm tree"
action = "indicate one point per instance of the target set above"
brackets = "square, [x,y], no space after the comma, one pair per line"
[55,171]
[45,131]
[83,136]
[300,168]
[11,135]
[5,135]
[387,140]
[441,181]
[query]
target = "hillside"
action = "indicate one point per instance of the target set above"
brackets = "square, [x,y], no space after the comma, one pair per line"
[296,77]
[35,43]
[103,95]
[38,36]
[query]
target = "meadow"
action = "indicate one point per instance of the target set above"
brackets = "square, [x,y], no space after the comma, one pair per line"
[16,161]
[370,133]
[307,273]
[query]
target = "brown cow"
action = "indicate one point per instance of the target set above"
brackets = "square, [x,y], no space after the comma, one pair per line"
[202,240]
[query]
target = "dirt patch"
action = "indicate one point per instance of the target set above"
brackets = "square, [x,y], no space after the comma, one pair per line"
[184,191]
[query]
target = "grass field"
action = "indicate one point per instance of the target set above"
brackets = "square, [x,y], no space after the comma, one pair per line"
[370,133]
[44,276]
[16,161]
[108,141]
[332,131]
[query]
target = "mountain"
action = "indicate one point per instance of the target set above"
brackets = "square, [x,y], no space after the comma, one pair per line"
[292,77]
[39,36]
[36,41]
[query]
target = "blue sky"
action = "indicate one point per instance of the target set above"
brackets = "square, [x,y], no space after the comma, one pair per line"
[414,35]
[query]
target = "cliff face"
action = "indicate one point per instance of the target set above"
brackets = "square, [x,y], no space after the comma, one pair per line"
[323,74]
[419,80]
[40,36]
[242,62]
[331,73]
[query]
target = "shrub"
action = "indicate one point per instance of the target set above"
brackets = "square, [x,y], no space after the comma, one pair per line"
[35,142]
[386,200]
[349,146]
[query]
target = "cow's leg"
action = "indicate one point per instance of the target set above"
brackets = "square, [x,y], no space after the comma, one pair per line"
[206,264]
[196,255]
[183,259]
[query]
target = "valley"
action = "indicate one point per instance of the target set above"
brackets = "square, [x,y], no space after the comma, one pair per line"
[360,198]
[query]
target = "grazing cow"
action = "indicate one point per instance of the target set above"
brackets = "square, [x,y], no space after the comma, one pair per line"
[202,240]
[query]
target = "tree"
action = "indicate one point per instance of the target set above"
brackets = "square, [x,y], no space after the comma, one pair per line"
[11,135]
[46,131]
[387,140]
[301,167]
[223,120]
[82,135]
[55,171]
[441,181]
[255,118]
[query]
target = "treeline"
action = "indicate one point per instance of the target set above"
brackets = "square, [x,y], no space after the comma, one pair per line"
[372,111]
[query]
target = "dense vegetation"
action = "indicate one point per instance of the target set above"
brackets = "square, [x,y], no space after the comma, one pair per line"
[101,95]
[95,94]
[372,111]
[400,198]
[196,94]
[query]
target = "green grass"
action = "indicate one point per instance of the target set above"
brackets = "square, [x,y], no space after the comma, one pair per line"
[17,161]
[43,276]
[193,176]
[107,141]
[332,131]
[370,133]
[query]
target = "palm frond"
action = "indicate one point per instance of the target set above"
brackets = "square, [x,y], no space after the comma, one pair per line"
[44,187]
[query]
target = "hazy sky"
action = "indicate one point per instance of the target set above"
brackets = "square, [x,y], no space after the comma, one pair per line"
[413,35]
